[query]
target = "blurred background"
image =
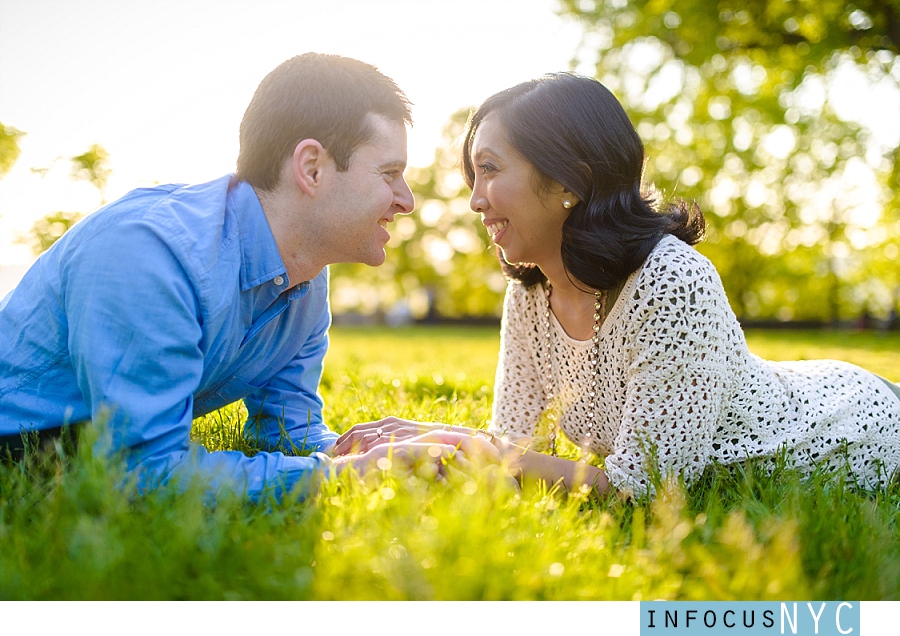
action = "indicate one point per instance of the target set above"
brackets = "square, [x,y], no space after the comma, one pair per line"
[781,119]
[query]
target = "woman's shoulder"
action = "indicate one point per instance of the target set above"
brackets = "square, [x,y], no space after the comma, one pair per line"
[676,257]
[674,269]
[670,246]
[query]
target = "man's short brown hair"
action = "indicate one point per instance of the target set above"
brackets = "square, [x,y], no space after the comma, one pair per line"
[313,96]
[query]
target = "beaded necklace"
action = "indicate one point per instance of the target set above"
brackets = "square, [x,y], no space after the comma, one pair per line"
[594,360]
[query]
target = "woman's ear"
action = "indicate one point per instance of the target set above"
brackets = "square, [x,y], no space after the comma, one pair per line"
[569,200]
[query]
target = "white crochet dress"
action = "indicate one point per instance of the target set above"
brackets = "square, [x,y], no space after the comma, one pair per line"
[677,381]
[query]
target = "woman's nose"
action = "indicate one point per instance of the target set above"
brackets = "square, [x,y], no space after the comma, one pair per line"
[478,202]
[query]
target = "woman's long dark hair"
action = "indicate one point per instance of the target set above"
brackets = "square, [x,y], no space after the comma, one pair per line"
[575,132]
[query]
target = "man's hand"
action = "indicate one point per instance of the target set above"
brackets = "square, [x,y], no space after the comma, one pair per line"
[364,437]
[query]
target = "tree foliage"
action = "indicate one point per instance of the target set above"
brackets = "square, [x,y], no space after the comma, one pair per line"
[49,229]
[9,147]
[736,104]
[91,166]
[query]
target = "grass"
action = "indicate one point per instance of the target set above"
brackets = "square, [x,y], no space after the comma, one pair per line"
[72,528]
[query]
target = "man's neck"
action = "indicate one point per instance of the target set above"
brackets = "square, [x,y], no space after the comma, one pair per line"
[297,250]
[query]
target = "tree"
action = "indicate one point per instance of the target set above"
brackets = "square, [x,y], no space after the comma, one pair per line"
[49,229]
[735,102]
[440,260]
[9,147]
[91,166]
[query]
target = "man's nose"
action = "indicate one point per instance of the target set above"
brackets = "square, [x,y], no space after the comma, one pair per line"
[404,200]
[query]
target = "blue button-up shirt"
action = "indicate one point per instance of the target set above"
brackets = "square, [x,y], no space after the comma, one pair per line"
[161,307]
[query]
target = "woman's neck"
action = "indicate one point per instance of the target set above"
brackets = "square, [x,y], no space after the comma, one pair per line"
[572,305]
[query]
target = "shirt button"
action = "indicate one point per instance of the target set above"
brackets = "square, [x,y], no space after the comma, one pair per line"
[279,280]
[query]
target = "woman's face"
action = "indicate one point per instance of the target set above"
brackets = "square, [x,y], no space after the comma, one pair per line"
[526,226]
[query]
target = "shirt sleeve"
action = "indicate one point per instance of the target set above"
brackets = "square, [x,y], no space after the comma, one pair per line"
[519,398]
[676,376]
[135,344]
[286,414]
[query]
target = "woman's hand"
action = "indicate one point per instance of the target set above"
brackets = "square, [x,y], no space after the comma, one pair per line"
[493,458]
[364,437]
[429,459]
[440,452]
[477,447]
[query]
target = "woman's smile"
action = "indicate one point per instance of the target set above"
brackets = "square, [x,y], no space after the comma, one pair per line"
[495,228]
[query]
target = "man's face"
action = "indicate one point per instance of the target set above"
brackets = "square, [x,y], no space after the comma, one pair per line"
[365,198]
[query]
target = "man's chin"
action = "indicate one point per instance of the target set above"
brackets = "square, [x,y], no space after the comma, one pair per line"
[375,260]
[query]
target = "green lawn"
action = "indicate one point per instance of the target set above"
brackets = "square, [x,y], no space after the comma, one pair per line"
[878,352]
[69,530]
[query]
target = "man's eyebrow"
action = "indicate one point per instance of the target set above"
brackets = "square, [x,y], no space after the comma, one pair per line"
[395,164]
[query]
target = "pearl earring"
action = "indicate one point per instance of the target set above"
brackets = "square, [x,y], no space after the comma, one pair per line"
[567,204]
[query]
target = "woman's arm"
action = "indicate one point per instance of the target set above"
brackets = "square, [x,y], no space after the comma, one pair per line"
[519,397]
[680,331]
[525,465]
[530,466]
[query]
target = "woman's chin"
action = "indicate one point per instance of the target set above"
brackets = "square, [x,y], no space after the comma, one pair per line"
[513,258]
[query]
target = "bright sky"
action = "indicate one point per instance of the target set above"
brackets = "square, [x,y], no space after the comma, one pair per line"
[163,84]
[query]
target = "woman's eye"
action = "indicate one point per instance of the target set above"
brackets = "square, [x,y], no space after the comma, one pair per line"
[486,167]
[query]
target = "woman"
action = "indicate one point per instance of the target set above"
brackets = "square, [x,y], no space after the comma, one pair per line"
[617,333]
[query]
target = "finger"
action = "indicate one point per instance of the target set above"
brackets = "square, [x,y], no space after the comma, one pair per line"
[381,436]
[358,439]
[400,434]
[365,427]
[453,473]
[477,446]
[353,444]
[407,454]
[374,440]
[347,443]
[460,463]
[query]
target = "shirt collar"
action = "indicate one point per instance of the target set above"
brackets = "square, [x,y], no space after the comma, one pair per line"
[260,259]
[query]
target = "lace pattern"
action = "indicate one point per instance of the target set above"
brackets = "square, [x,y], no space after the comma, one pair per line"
[678,387]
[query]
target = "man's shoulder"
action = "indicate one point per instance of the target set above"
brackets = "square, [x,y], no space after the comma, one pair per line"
[187,217]
[173,205]
[191,221]
[179,199]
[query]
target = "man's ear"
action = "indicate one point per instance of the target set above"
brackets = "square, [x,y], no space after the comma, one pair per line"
[307,162]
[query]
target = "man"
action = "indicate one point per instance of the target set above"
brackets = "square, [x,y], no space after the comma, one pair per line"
[178,300]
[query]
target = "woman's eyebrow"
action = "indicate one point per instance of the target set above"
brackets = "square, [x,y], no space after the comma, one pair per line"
[484,150]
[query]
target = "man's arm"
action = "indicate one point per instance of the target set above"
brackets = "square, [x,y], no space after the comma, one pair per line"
[136,345]
[286,414]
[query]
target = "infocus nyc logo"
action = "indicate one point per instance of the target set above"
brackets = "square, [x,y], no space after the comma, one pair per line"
[750,618]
